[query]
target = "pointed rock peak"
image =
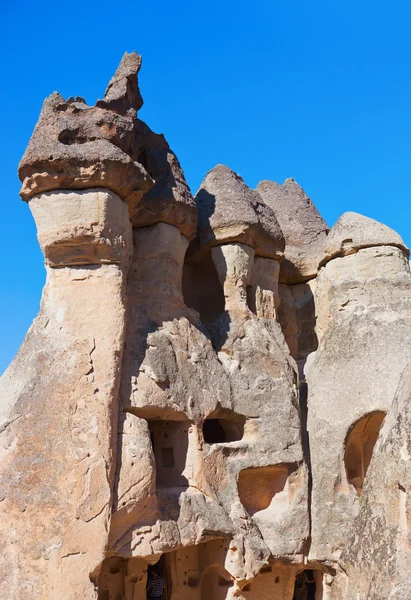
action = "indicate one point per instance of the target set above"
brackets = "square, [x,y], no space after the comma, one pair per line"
[353,231]
[122,92]
[229,211]
[76,146]
[303,227]
[290,184]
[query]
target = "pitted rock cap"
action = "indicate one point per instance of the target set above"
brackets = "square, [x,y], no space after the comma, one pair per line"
[76,146]
[229,211]
[304,229]
[353,231]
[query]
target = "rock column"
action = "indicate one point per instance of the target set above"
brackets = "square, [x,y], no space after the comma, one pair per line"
[364,326]
[60,417]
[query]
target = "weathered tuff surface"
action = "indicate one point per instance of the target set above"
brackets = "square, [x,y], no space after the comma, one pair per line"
[77,146]
[229,211]
[304,229]
[59,412]
[353,232]
[363,309]
[187,399]
[381,532]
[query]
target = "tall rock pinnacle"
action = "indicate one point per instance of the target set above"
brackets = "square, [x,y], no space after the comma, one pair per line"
[122,92]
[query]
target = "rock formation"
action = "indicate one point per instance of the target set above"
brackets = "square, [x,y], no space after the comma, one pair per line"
[206,385]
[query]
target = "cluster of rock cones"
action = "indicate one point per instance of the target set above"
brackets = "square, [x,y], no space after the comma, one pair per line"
[217,385]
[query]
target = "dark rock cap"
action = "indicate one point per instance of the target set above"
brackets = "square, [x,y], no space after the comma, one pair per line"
[304,229]
[76,146]
[229,211]
[122,92]
[170,199]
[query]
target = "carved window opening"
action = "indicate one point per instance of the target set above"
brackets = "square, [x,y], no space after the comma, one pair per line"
[266,488]
[223,430]
[359,447]
[202,289]
[169,440]
[308,585]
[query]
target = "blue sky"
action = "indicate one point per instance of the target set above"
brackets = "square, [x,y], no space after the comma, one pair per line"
[319,91]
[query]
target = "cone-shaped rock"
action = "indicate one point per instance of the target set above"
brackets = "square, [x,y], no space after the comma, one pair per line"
[353,231]
[229,211]
[169,200]
[303,227]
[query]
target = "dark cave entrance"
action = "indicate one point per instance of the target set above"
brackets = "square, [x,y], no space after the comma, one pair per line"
[308,585]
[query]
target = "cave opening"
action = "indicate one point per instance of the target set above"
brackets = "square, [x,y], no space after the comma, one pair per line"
[223,430]
[265,488]
[359,447]
[169,440]
[308,585]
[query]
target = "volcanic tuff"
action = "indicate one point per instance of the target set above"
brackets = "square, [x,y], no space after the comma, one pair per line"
[206,385]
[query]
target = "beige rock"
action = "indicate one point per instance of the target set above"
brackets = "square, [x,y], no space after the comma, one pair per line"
[205,417]
[234,265]
[87,227]
[59,418]
[377,558]
[263,296]
[363,325]
[353,232]
[297,317]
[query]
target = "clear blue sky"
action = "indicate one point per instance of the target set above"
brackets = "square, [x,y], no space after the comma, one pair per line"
[319,91]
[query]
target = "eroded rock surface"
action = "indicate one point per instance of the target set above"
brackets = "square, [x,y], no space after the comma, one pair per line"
[380,535]
[188,399]
[229,211]
[304,229]
[363,302]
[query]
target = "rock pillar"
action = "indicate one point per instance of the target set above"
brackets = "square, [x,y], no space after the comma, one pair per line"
[60,402]
[363,326]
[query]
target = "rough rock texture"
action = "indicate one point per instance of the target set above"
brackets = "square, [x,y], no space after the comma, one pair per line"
[187,400]
[363,305]
[353,232]
[76,146]
[381,534]
[59,411]
[174,378]
[304,229]
[229,211]
[170,199]
[87,227]
[122,92]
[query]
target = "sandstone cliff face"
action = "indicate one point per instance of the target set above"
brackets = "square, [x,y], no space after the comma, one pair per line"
[206,381]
